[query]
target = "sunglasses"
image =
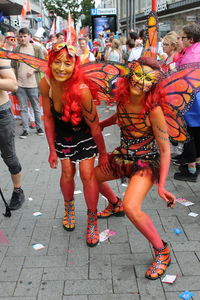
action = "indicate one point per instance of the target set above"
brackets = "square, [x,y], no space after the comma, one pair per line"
[12,39]
[71,49]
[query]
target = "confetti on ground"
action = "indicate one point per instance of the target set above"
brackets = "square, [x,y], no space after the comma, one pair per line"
[124,184]
[104,235]
[30,199]
[3,239]
[37,170]
[38,246]
[192,214]
[184,202]
[178,231]
[112,108]
[106,110]
[77,192]
[37,214]
[186,295]
[107,134]
[169,278]
[69,251]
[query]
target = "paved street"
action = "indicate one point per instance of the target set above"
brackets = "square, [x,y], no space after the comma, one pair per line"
[66,269]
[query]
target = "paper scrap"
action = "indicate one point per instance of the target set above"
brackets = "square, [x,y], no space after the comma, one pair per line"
[169,278]
[178,231]
[3,239]
[30,199]
[38,246]
[107,134]
[106,110]
[186,295]
[104,235]
[37,170]
[184,202]
[104,197]
[37,214]
[77,192]
[124,184]
[192,214]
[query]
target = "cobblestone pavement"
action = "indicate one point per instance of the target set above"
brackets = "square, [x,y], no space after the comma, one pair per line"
[66,269]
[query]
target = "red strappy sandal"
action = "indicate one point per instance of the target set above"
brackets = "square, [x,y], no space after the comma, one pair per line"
[112,210]
[161,262]
[92,235]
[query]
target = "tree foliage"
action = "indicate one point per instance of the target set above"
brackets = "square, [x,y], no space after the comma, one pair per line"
[62,7]
[86,6]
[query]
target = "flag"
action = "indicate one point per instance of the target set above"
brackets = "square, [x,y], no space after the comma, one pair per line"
[26,8]
[71,32]
[53,27]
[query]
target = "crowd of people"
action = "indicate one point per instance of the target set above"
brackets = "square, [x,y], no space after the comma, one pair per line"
[74,133]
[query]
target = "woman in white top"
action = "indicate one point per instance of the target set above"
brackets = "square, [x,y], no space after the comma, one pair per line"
[114,53]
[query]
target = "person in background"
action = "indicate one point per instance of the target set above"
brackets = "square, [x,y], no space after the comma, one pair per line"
[28,82]
[130,44]
[8,82]
[52,40]
[60,38]
[170,48]
[37,41]
[10,41]
[137,50]
[114,52]
[86,55]
[2,39]
[189,171]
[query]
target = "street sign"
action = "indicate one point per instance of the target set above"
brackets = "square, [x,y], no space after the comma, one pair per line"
[103,11]
[93,11]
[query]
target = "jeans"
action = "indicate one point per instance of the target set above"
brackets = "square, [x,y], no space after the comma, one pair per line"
[7,141]
[29,94]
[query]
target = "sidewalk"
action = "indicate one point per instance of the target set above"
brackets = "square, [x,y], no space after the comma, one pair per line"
[66,269]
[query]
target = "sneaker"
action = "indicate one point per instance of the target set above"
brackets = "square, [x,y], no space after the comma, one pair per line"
[185,175]
[40,132]
[17,199]
[184,168]
[24,135]
[32,125]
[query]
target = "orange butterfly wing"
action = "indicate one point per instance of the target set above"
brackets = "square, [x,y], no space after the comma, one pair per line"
[151,40]
[36,63]
[103,75]
[176,94]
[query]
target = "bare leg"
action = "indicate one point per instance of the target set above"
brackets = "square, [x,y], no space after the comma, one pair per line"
[16,179]
[104,188]
[137,189]
[90,185]
[91,193]
[67,179]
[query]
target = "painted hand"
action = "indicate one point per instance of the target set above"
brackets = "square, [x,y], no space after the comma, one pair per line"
[53,160]
[167,197]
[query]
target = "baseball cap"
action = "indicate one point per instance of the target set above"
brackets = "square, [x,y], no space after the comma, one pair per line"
[9,34]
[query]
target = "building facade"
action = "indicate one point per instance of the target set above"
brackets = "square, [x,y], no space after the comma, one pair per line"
[12,21]
[173,14]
